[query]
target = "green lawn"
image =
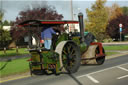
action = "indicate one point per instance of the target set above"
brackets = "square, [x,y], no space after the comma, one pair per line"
[120,47]
[12,52]
[111,53]
[14,67]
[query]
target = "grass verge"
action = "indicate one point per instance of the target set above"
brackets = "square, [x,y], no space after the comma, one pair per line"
[119,47]
[111,53]
[14,67]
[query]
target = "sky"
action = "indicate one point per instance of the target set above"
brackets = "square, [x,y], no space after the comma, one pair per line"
[13,7]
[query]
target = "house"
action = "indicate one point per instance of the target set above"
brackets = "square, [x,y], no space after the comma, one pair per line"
[8,28]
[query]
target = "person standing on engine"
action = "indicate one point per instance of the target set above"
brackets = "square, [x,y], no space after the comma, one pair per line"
[46,36]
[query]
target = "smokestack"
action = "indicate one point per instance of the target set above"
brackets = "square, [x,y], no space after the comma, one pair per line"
[81,25]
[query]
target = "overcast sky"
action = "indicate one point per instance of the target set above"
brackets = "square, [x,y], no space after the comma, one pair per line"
[13,7]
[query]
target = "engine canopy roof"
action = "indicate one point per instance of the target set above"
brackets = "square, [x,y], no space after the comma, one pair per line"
[35,23]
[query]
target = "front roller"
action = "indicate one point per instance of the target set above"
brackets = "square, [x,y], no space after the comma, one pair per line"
[69,56]
[95,54]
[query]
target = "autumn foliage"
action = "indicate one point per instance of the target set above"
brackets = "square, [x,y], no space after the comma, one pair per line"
[97,19]
[114,11]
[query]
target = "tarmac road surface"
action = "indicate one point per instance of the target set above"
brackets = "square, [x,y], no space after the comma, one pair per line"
[113,72]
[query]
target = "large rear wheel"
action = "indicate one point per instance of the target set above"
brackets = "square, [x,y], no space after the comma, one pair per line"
[69,56]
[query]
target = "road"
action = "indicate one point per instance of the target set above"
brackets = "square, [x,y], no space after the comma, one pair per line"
[112,72]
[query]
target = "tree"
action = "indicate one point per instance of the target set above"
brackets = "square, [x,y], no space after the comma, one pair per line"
[38,13]
[4,38]
[4,34]
[6,23]
[117,15]
[114,11]
[125,10]
[1,18]
[97,19]
[1,15]
[113,27]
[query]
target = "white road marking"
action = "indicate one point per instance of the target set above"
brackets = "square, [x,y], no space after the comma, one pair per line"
[96,72]
[88,75]
[101,70]
[122,68]
[92,79]
[122,77]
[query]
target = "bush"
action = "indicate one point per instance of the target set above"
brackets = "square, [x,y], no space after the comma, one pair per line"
[107,40]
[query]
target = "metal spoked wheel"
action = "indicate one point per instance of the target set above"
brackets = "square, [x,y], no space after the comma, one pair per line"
[70,56]
[100,60]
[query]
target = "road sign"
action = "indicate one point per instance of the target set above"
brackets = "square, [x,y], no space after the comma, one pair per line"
[120,25]
[120,29]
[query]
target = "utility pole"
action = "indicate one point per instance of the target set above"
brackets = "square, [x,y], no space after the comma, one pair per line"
[1,11]
[1,5]
[71,10]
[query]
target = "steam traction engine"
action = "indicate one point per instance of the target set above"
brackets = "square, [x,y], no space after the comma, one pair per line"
[68,50]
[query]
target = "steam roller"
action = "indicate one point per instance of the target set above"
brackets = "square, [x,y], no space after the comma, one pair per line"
[68,50]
